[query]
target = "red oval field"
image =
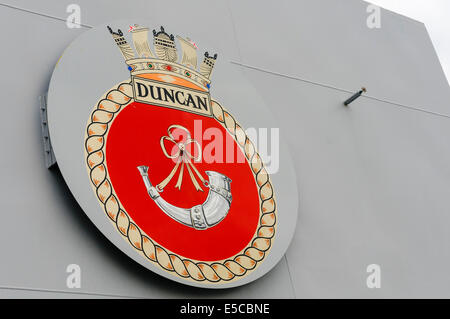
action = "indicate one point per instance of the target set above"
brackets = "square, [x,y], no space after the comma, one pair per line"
[134,140]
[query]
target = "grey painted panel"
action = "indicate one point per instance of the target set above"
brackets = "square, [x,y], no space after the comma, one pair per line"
[373,180]
[374,185]
[329,42]
[24,293]
[203,18]
[46,228]
[277,280]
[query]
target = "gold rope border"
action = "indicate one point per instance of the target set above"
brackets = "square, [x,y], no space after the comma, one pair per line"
[229,269]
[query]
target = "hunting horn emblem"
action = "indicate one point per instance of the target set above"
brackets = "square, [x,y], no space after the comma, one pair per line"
[216,205]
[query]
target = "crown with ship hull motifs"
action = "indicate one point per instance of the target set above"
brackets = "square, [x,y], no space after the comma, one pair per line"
[165,59]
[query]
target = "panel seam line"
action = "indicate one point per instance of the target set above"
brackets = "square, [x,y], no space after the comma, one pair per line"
[66,292]
[297,78]
[290,277]
[292,77]
[42,14]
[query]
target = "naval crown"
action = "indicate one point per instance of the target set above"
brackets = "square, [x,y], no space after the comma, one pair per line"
[165,59]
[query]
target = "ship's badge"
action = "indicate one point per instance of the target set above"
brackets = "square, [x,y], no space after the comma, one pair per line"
[173,170]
